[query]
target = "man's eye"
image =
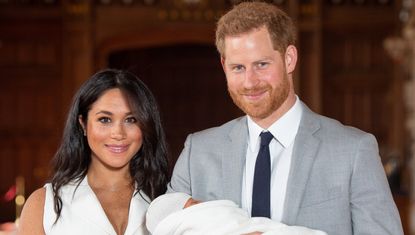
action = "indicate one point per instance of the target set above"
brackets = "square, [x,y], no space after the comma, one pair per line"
[237,68]
[131,120]
[263,64]
[104,120]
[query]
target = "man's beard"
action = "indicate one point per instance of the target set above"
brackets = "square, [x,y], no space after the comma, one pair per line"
[269,104]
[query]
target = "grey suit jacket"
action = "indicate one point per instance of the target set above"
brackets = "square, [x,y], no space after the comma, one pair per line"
[336,182]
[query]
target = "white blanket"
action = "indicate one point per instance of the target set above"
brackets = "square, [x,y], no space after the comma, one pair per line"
[220,217]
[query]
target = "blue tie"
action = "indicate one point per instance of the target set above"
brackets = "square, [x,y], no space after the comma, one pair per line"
[261,190]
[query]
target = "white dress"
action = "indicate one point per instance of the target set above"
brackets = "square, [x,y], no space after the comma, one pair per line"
[82,213]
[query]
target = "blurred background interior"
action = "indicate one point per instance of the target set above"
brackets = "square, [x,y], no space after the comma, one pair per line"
[355,66]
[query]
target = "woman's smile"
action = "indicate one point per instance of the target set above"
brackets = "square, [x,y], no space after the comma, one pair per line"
[117,148]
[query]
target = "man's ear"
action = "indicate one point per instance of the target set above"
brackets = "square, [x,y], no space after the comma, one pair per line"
[222,62]
[290,58]
[81,122]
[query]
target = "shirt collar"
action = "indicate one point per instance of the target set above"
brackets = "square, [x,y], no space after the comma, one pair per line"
[284,129]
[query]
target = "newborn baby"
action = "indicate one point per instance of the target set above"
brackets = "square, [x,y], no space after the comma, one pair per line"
[178,213]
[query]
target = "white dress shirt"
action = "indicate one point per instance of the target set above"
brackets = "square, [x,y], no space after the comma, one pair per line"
[284,131]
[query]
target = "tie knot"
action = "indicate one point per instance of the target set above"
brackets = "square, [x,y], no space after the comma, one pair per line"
[266,137]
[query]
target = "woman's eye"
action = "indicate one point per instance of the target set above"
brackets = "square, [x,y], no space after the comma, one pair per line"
[104,120]
[131,120]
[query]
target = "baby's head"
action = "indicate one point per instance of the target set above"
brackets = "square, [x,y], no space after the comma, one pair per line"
[190,202]
[165,205]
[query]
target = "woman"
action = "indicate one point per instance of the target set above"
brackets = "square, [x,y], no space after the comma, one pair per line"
[112,162]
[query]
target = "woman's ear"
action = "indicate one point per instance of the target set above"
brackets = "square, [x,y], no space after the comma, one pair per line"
[81,122]
[290,58]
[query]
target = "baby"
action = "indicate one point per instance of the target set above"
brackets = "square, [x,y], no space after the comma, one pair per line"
[178,213]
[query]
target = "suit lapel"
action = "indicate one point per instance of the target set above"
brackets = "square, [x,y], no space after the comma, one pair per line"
[233,161]
[304,153]
[136,217]
[86,205]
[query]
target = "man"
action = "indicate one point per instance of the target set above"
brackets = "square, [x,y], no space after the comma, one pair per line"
[319,173]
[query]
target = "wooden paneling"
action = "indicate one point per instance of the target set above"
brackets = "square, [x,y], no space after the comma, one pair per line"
[31,106]
[359,82]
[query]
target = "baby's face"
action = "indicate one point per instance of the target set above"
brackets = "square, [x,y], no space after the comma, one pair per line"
[191,202]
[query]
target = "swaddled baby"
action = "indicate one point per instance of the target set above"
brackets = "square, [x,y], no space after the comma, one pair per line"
[179,214]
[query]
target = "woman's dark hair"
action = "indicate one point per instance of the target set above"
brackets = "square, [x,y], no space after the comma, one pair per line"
[148,168]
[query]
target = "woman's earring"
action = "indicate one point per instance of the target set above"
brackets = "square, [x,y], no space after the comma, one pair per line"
[84,133]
